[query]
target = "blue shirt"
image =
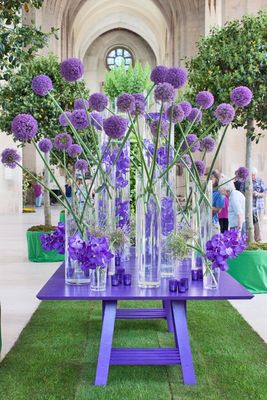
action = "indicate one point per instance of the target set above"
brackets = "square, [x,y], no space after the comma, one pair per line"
[217,202]
[236,208]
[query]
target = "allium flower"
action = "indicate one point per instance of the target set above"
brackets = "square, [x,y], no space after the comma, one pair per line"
[187,108]
[62,118]
[81,104]
[74,150]
[115,126]
[62,141]
[241,96]
[45,145]
[152,116]
[205,99]
[96,120]
[164,127]
[207,144]
[242,174]
[158,74]
[192,142]
[72,69]
[139,108]
[201,167]
[81,165]
[98,102]
[79,119]
[139,97]
[224,113]
[187,160]
[164,92]
[10,157]
[175,113]
[177,77]
[24,127]
[41,85]
[125,103]
[195,115]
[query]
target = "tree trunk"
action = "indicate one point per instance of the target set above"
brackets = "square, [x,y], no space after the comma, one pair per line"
[47,208]
[248,192]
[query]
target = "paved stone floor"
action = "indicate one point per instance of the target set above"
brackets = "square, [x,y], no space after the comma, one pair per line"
[21,280]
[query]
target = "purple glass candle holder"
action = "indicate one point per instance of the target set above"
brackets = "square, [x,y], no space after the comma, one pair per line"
[200,274]
[194,273]
[120,272]
[173,285]
[184,281]
[117,260]
[115,280]
[181,287]
[127,279]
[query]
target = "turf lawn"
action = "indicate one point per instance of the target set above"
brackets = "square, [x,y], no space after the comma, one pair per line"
[55,357]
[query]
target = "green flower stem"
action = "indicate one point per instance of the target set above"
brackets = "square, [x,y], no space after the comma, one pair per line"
[169,144]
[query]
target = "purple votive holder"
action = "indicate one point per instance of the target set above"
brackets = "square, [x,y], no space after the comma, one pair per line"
[184,281]
[200,274]
[127,279]
[181,287]
[173,285]
[194,273]
[120,272]
[115,280]
[117,260]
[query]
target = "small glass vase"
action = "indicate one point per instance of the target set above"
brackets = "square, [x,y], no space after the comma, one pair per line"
[211,277]
[99,279]
[183,268]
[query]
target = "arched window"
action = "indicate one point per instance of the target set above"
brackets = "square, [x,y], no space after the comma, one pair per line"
[119,56]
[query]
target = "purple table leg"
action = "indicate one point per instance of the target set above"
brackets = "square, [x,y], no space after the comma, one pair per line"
[167,307]
[109,308]
[183,342]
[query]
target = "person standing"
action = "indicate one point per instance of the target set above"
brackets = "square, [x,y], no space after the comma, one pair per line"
[217,202]
[223,215]
[68,191]
[259,193]
[38,193]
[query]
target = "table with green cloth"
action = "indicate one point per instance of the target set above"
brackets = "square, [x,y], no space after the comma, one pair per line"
[35,251]
[62,216]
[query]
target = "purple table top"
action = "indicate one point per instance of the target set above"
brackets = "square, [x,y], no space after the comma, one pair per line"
[56,289]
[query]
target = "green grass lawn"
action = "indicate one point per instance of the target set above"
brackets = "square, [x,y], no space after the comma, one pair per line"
[55,357]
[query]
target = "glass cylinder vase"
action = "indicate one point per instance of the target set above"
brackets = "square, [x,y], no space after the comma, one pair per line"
[98,279]
[211,276]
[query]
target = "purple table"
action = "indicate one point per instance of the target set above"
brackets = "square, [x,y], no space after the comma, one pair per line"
[173,310]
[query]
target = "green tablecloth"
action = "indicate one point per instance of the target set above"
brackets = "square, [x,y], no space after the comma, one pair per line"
[62,216]
[250,269]
[35,251]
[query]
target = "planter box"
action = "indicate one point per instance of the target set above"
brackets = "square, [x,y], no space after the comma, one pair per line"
[35,251]
[250,269]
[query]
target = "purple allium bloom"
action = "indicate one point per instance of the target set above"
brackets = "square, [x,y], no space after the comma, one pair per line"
[201,167]
[175,113]
[62,118]
[125,103]
[54,240]
[81,165]
[115,126]
[205,99]
[155,116]
[177,77]
[139,107]
[195,115]
[158,74]
[241,96]
[41,85]
[162,156]
[98,102]
[186,106]
[74,150]
[224,113]
[24,127]
[242,174]
[192,143]
[81,104]
[139,97]
[45,145]
[62,141]
[164,92]
[207,144]
[79,119]
[167,215]
[72,69]
[10,157]
[187,160]
[164,127]
[96,120]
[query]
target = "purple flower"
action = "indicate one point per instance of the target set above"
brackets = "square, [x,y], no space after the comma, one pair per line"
[74,150]
[139,107]
[62,118]
[45,145]
[96,120]
[81,104]
[122,214]
[158,74]
[10,157]
[201,167]
[72,69]
[242,174]
[139,97]
[175,113]
[115,126]
[81,165]
[54,240]
[205,99]
[41,85]
[98,102]
[62,141]
[24,127]
[163,128]
[149,147]
[164,92]
[207,144]
[125,103]
[167,216]
[162,156]
[79,119]
[177,77]
[187,108]
[192,143]
[155,116]
[187,160]
[224,113]
[195,115]
[241,96]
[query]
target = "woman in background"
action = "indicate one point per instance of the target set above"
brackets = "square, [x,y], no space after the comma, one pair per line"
[38,193]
